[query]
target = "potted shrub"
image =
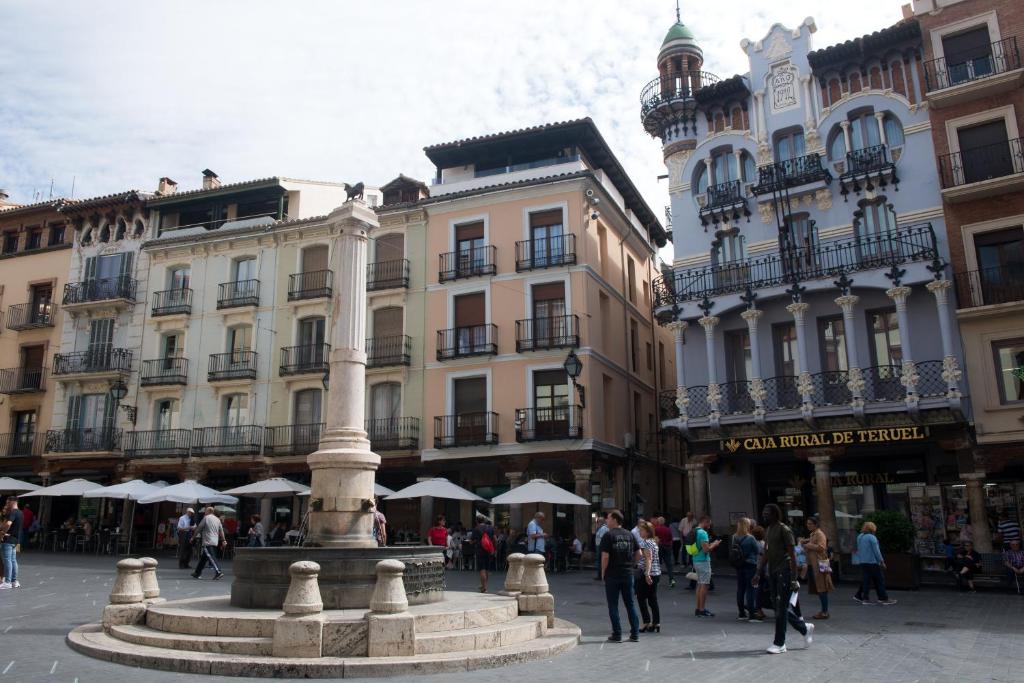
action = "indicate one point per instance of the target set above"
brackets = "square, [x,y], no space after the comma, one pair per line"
[896,537]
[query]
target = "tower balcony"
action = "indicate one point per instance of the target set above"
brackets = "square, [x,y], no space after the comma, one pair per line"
[670,101]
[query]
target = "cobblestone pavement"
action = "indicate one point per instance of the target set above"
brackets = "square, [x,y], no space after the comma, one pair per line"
[931,635]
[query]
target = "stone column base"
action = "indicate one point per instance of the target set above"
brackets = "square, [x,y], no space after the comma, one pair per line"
[391,635]
[299,636]
[539,604]
[120,615]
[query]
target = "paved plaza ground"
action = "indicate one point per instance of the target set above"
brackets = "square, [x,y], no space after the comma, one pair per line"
[931,635]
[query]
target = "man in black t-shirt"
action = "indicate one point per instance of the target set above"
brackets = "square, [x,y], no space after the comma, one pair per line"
[10,529]
[619,555]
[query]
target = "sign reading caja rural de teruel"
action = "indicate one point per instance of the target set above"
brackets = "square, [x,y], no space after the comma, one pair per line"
[843,437]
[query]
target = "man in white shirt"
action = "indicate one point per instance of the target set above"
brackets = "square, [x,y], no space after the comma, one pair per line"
[211,533]
[184,544]
[535,534]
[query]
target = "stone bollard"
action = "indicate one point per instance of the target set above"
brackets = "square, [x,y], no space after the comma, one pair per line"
[535,598]
[514,576]
[391,630]
[150,587]
[126,597]
[299,632]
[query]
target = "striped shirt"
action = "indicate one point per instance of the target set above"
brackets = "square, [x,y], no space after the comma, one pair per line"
[652,545]
[1009,530]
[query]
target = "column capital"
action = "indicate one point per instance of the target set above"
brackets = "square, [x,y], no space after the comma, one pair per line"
[708,322]
[514,477]
[898,294]
[847,301]
[879,115]
[582,475]
[695,466]
[844,124]
[939,288]
[975,477]
[820,462]
[751,315]
[759,94]
[677,325]
[798,309]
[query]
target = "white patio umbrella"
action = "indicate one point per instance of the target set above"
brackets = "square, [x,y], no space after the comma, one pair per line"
[75,487]
[275,487]
[378,490]
[435,488]
[8,484]
[539,491]
[129,490]
[188,491]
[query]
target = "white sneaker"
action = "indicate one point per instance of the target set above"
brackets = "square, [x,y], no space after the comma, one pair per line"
[809,636]
[16,584]
[776,649]
[5,585]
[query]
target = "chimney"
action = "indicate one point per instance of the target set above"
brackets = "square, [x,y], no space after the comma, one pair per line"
[210,180]
[166,186]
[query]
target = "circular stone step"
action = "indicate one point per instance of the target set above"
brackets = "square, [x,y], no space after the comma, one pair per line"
[143,635]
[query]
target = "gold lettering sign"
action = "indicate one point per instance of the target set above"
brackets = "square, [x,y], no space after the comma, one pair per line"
[846,437]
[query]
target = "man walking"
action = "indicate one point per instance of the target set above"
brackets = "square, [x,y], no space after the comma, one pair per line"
[601,531]
[619,554]
[780,555]
[10,533]
[211,535]
[702,565]
[184,542]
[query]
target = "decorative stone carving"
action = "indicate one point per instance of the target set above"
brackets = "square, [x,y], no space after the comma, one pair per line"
[714,393]
[847,300]
[778,47]
[909,376]
[675,163]
[804,384]
[150,587]
[898,294]
[855,381]
[823,198]
[764,153]
[798,309]
[765,211]
[708,322]
[304,590]
[785,88]
[812,138]
[514,576]
[682,400]
[758,392]
[389,593]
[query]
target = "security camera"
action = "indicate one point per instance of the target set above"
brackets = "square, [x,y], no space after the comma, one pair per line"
[589,193]
[594,215]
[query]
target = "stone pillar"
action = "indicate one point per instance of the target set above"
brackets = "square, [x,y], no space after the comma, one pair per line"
[708,322]
[678,328]
[762,127]
[950,367]
[266,513]
[343,468]
[823,490]
[697,474]
[391,629]
[299,631]
[855,381]
[581,478]
[535,598]
[845,125]
[389,593]
[757,390]
[126,597]
[881,126]
[804,383]
[908,372]
[515,512]
[981,534]
[514,575]
[150,586]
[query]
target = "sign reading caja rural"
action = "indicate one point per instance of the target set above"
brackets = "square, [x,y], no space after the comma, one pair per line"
[844,437]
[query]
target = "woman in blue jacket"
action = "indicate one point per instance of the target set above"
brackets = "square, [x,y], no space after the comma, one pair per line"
[869,557]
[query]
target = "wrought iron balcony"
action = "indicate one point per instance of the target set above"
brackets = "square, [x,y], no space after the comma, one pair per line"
[461,342]
[312,285]
[822,261]
[546,252]
[387,351]
[31,316]
[830,388]
[300,439]
[393,433]
[977,164]
[238,293]
[158,443]
[549,424]
[667,408]
[103,359]
[387,275]
[538,334]
[172,302]
[456,265]
[1000,285]
[237,440]
[21,444]
[83,440]
[788,173]
[957,69]
[305,359]
[670,100]
[866,169]
[781,393]
[735,398]
[466,429]
[232,365]
[98,290]
[22,380]
[164,371]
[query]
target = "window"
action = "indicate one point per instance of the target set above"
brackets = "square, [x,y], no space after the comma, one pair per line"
[864,132]
[469,243]
[832,336]
[236,410]
[240,343]
[647,294]
[550,327]
[1009,357]
[874,224]
[171,348]
[138,227]
[784,336]
[985,151]
[650,356]
[257,208]
[789,145]
[727,250]
[244,269]
[546,232]
[314,258]
[724,169]
[35,239]
[471,333]
[738,363]
[634,342]
[884,328]
[122,228]
[24,423]
[386,401]
[389,247]
[307,408]
[165,416]
[798,243]
[56,235]
[41,298]
[550,403]
[10,242]
[178,278]
[631,279]
[968,54]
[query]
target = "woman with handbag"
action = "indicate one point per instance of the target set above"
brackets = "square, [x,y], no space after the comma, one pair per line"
[819,566]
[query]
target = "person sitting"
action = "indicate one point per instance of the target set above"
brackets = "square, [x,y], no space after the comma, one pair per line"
[966,564]
[277,535]
[255,532]
[1013,560]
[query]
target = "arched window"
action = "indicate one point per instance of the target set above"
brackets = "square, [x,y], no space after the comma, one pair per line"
[727,250]
[105,233]
[701,184]
[122,229]
[87,236]
[789,144]
[138,228]
[864,133]
[893,131]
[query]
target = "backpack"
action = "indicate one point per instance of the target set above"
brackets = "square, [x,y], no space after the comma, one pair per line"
[736,558]
[690,542]
[486,543]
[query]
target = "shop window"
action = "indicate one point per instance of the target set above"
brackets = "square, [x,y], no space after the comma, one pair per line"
[1009,357]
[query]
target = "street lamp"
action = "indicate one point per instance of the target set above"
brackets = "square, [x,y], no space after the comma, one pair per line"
[573,367]
[118,391]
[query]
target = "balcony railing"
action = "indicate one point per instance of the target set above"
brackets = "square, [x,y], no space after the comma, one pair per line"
[790,173]
[468,263]
[461,342]
[238,293]
[162,371]
[83,440]
[673,90]
[981,163]
[1000,285]
[467,429]
[172,302]
[312,285]
[558,332]
[546,252]
[735,398]
[667,408]
[699,405]
[830,388]
[823,260]
[305,359]
[101,289]
[21,444]
[301,439]
[867,159]
[232,365]
[237,440]
[101,359]
[956,69]
[30,316]
[158,443]
[387,351]
[781,393]
[387,274]
[393,433]
[22,380]
[549,424]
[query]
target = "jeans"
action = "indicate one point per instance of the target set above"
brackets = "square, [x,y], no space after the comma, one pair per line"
[207,556]
[647,596]
[10,562]
[665,555]
[614,586]
[184,549]
[871,573]
[823,598]
[781,581]
[746,594]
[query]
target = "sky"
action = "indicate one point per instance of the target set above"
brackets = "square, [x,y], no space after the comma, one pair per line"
[99,97]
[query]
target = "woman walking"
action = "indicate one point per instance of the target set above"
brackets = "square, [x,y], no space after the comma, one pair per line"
[648,575]
[749,549]
[869,557]
[819,568]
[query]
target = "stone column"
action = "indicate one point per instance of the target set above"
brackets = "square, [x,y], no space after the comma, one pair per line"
[855,381]
[950,367]
[908,372]
[343,468]
[697,474]
[881,126]
[757,390]
[804,383]
[515,512]
[976,506]
[823,490]
[845,125]
[708,322]
[762,127]
[581,478]
[678,328]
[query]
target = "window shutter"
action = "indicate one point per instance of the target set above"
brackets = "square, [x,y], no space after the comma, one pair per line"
[545,218]
[74,412]
[469,231]
[108,413]
[90,268]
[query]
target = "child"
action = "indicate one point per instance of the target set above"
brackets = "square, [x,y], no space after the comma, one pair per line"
[801,562]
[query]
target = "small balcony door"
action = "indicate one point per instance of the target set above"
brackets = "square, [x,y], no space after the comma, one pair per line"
[306,418]
[738,369]
[985,151]
[832,337]
[798,242]
[968,55]
[470,316]
[101,344]
[235,420]
[389,248]
[311,342]
[172,349]
[24,422]
[314,259]
[549,322]
[32,366]
[469,243]
[91,420]
[784,338]
[887,353]
[41,300]
[245,269]
[469,402]
[165,419]
[178,280]
[386,401]
[546,233]
[1000,255]
[551,404]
